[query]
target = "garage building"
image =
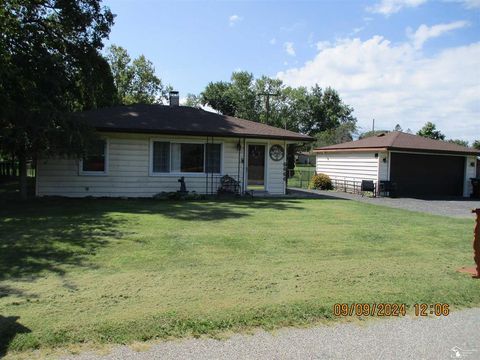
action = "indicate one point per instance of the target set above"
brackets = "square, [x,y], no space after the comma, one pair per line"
[419,167]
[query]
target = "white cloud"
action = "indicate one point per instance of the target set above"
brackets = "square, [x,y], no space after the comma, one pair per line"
[234,19]
[288,46]
[323,45]
[397,83]
[389,7]
[273,41]
[425,32]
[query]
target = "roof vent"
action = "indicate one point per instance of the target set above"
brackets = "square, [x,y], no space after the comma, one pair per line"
[174,98]
[382,134]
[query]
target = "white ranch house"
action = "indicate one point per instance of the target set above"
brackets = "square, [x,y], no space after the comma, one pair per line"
[144,149]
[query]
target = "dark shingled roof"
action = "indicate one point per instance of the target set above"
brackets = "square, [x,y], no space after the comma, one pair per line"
[397,140]
[181,120]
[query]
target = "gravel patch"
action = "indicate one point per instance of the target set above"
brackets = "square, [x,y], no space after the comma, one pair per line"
[457,207]
[395,338]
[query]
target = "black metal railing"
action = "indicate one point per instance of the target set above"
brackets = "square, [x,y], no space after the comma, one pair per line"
[11,169]
[352,186]
[300,177]
[216,184]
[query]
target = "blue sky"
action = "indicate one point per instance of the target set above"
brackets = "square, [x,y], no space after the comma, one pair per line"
[398,61]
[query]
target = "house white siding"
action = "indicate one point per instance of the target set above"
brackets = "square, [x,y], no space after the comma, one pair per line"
[129,170]
[352,166]
[470,172]
[275,171]
[383,166]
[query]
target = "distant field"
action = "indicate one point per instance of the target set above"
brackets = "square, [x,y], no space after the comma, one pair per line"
[116,271]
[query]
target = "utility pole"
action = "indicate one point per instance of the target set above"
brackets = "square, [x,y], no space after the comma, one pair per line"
[373,126]
[267,104]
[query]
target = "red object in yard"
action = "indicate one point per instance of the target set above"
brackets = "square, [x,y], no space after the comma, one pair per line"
[476,242]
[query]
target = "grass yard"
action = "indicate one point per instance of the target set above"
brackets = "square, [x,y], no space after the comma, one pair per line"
[117,271]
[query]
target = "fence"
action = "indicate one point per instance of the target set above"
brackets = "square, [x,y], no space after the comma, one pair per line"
[349,186]
[11,169]
[300,177]
[222,184]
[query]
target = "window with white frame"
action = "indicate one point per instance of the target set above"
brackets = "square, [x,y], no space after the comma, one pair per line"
[186,157]
[95,160]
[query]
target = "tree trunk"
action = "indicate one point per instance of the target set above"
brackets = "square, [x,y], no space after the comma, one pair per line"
[22,160]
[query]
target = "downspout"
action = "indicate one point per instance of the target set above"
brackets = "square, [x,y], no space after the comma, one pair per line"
[285,170]
[211,172]
[239,149]
[243,162]
[206,173]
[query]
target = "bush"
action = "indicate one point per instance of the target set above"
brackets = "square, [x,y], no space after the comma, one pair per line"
[320,182]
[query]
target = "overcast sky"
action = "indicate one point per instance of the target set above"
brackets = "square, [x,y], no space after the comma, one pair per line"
[398,61]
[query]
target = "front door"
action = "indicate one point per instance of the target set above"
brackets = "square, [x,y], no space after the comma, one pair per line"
[256,167]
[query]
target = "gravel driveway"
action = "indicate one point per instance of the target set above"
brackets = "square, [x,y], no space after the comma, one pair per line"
[403,338]
[459,207]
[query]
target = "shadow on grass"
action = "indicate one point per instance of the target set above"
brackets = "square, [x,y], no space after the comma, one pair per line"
[52,235]
[9,328]
[40,236]
[9,188]
[215,210]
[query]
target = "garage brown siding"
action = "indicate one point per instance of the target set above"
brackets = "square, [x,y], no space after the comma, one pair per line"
[419,175]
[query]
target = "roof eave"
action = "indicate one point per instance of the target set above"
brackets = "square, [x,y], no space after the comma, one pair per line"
[446,152]
[200,133]
[391,148]
[320,150]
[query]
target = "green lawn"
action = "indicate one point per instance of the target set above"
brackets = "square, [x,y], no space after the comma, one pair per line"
[116,271]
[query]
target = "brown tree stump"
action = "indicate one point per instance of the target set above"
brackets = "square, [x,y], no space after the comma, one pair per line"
[476,243]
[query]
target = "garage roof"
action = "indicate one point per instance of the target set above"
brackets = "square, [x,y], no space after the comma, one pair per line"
[181,120]
[397,140]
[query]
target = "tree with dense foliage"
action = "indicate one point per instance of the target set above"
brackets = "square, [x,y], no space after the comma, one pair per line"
[267,100]
[340,134]
[193,100]
[316,112]
[50,65]
[217,96]
[476,144]
[135,80]
[397,128]
[429,130]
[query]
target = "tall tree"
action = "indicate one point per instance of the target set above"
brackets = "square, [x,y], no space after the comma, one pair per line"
[217,95]
[429,130]
[242,91]
[340,134]
[476,144]
[327,111]
[193,101]
[47,49]
[135,80]
[119,61]
[269,101]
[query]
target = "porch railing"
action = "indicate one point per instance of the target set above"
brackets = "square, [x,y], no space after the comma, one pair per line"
[11,169]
